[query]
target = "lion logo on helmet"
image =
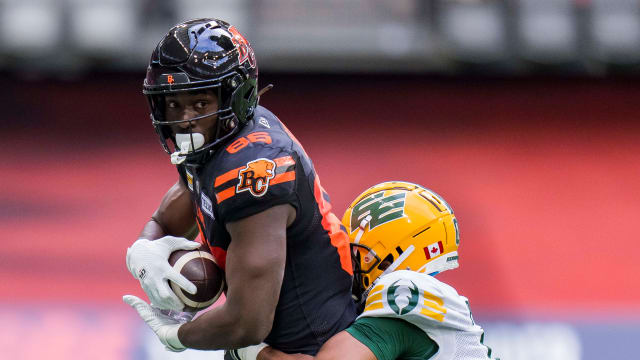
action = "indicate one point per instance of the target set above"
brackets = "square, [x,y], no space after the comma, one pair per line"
[245,52]
[255,177]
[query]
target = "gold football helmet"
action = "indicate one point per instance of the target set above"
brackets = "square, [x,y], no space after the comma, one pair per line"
[398,225]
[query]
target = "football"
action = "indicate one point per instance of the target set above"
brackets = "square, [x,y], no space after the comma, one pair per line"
[199,267]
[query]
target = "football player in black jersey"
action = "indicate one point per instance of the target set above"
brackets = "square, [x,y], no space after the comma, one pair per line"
[251,191]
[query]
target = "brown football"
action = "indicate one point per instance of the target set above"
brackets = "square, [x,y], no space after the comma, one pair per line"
[199,267]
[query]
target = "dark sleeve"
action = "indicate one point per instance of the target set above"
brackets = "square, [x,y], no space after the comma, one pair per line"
[391,339]
[265,179]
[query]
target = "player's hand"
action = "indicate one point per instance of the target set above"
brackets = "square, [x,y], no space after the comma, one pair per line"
[148,262]
[165,326]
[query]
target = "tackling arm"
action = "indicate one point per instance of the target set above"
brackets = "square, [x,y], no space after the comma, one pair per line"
[340,346]
[344,346]
[255,269]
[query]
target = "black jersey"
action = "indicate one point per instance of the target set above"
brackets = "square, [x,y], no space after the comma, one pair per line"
[263,166]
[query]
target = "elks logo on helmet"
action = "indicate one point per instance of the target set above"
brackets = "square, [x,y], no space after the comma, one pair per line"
[255,177]
[380,208]
[245,52]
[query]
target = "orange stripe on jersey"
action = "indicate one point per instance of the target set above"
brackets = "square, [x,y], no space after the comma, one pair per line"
[200,222]
[229,175]
[331,224]
[294,139]
[284,161]
[232,174]
[284,177]
[220,255]
[225,194]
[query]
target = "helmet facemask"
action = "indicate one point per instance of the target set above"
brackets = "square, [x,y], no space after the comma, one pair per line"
[193,149]
[202,55]
[362,268]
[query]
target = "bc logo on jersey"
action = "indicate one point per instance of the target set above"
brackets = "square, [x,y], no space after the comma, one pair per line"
[382,209]
[255,177]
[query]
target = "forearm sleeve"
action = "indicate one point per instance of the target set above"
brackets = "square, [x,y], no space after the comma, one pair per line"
[390,338]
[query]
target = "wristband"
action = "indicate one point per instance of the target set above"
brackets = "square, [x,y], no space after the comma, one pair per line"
[251,352]
[173,342]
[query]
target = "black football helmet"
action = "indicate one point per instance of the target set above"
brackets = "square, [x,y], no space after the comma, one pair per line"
[203,54]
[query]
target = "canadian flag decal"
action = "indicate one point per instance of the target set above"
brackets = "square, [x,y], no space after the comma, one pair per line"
[433,250]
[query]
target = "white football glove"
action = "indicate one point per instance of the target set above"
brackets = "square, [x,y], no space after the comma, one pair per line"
[148,262]
[246,353]
[165,326]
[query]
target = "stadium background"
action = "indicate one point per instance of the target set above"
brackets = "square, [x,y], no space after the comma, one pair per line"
[522,114]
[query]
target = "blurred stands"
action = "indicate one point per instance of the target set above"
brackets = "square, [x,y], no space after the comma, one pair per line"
[515,36]
[474,31]
[547,31]
[543,173]
[614,31]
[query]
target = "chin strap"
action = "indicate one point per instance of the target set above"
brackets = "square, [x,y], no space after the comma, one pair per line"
[361,227]
[398,261]
[388,270]
[264,90]
[177,158]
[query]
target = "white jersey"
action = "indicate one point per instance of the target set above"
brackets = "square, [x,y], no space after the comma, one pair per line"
[434,307]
